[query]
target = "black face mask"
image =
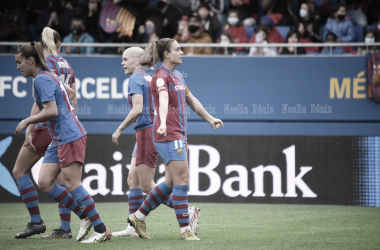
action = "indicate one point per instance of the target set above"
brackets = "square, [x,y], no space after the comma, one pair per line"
[341,17]
[78,31]
[193,28]
[161,4]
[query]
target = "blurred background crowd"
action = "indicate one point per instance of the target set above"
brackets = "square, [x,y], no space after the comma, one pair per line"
[197,21]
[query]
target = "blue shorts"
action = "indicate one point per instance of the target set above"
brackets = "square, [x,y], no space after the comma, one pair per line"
[172,150]
[51,155]
[134,150]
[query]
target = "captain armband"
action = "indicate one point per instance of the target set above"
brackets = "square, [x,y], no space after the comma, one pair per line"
[187,90]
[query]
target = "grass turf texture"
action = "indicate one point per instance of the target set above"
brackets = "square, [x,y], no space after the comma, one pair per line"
[222,226]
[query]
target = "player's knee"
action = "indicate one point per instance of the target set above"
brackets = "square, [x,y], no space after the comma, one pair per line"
[45,185]
[18,173]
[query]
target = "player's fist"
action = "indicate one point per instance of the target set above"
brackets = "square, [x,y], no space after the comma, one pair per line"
[115,137]
[162,130]
[216,123]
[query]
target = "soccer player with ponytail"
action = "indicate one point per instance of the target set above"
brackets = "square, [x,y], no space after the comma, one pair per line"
[67,133]
[170,95]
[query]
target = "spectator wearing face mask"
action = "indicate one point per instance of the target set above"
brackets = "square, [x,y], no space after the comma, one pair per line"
[197,35]
[332,38]
[339,25]
[57,15]
[310,21]
[371,37]
[261,37]
[235,28]
[151,31]
[225,39]
[209,20]
[78,35]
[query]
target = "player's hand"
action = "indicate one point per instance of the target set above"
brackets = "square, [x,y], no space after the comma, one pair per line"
[162,130]
[21,126]
[216,123]
[115,137]
[28,142]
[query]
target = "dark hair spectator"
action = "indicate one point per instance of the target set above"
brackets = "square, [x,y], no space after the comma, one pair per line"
[216,6]
[292,37]
[338,24]
[370,37]
[308,18]
[305,37]
[273,35]
[286,9]
[92,22]
[235,28]
[57,16]
[209,20]
[248,10]
[332,38]
[197,35]
[78,35]
[226,39]
[151,31]
[261,37]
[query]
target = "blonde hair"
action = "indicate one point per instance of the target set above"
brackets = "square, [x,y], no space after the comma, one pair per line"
[49,40]
[34,49]
[155,52]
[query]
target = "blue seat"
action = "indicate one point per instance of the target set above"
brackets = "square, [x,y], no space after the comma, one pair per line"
[283,30]
[249,30]
[371,27]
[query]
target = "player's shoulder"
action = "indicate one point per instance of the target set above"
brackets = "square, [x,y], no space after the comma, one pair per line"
[44,77]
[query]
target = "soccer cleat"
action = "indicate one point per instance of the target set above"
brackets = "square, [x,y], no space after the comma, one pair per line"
[129,232]
[194,219]
[139,226]
[85,226]
[188,235]
[98,237]
[59,233]
[32,229]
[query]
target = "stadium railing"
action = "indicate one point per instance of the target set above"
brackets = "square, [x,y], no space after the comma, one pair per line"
[217,45]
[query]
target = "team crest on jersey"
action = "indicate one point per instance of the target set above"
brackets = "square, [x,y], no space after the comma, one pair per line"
[180,151]
[160,82]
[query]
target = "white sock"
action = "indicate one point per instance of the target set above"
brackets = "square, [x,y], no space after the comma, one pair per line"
[140,216]
[183,229]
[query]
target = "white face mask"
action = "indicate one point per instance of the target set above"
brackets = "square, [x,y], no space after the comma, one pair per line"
[224,42]
[369,40]
[233,20]
[303,13]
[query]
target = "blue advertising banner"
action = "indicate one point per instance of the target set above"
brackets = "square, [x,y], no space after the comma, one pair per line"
[233,89]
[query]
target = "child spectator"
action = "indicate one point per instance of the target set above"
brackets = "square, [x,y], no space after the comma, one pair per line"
[273,35]
[371,37]
[261,36]
[235,28]
[226,39]
[332,38]
[292,37]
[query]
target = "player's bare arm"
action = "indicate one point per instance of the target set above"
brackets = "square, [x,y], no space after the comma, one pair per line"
[50,111]
[197,107]
[72,93]
[163,110]
[137,103]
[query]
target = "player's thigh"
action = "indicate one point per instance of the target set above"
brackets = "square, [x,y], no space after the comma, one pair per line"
[48,173]
[60,180]
[24,162]
[133,179]
[179,172]
[72,175]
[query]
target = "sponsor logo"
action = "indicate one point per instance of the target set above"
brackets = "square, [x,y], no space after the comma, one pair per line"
[6,179]
[62,159]
[180,87]
[160,82]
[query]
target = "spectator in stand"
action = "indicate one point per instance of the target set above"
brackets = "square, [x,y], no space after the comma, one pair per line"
[151,31]
[305,37]
[273,35]
[216,6]
[261,37]
[57,16]
[235,28]
[332,38]
[286,8]
[197,35]
[78,35]
[292,37]
[92,22]
[248,10]
[225,39]
[209,20]
[339,25]
[169,16]
[13,23]
[310,21]
[371,37]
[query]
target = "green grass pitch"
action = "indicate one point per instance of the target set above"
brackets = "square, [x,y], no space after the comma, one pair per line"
[222,226]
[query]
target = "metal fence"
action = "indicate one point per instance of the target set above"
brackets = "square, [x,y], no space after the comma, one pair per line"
[123,46]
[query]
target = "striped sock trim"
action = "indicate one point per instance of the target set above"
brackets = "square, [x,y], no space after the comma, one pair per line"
[29,196]
[180,204]
[65,213]
[62,196]
[155,197]
[135,199]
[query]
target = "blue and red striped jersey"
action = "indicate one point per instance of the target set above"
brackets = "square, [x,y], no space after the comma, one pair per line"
[61,68]
[139,83]
[176,121]
[65,127]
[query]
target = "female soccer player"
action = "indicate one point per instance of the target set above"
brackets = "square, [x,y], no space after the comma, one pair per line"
[169,90]
[37,140]
[144,156]
[67,134]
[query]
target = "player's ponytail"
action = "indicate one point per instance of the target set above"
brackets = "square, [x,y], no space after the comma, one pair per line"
[155,52]
[34,49]
[49,40]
